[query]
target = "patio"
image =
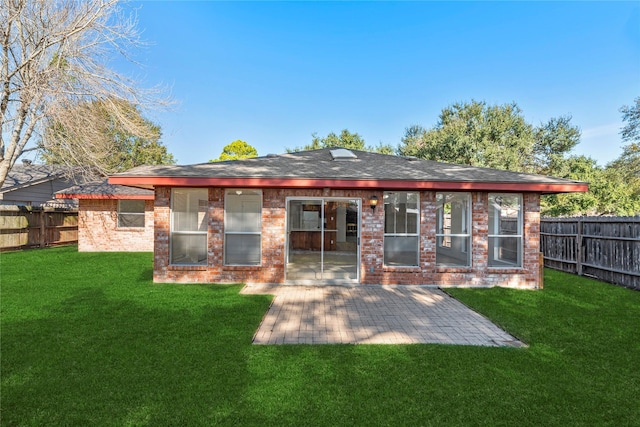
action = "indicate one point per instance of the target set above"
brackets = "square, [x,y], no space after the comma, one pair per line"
[372,315]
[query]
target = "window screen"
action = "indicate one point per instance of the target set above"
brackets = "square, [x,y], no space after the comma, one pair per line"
[401,225]
[131,213]
[189,226]
[243,227]
[505,230]
[453,236]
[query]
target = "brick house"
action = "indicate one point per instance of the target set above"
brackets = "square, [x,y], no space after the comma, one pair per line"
[112,218]
[345,216]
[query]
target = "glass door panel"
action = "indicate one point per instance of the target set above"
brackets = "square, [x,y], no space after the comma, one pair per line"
[340,260]
[304,258]
[322,240]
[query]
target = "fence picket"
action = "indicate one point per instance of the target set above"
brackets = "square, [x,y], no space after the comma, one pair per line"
[607,248]
[23,228]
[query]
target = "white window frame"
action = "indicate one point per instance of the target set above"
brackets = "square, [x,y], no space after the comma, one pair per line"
[122,213]
[466,214]
[415,234]
[188,232]
[496,237]
[237,193]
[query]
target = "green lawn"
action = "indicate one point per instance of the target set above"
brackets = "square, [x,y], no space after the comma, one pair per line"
[88,339]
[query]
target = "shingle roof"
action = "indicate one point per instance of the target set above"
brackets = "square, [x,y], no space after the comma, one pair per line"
[22,176]
[319,165]
[104,190]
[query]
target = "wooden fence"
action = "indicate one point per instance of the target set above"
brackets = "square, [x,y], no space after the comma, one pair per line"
[23,228]
[605,248]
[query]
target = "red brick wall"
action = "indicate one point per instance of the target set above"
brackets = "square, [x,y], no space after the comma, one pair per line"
[98,228]
[372,269]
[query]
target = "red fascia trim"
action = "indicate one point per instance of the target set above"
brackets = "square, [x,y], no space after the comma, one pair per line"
[105,196]
[345,184]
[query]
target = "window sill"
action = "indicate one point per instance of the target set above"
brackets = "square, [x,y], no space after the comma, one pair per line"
[242,267]
[138,229]
[507,270]
[453,269]
[187,267]
[401,268]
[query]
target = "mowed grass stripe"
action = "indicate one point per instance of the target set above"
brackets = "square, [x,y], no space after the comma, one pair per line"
[87,338]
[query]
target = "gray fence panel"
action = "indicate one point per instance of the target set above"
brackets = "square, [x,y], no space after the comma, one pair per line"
[606,248]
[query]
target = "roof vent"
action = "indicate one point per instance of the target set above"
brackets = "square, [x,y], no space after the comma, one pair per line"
[272,155]
[342,154]
[26,162]
[411,158]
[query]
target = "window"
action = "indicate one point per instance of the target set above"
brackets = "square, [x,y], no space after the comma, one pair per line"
[453,238]
[243,227]
[505,230]
[131,213]
[401,222]
[189,226]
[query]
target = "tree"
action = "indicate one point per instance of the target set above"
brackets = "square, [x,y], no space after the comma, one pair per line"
[553,141]
[609,193]
[631,114]
[628,164]
[382,148]
[495,136]
[411,143]
[114,148]
[474,134]
[346,139]
[55,57]
[236,150]
[579,168]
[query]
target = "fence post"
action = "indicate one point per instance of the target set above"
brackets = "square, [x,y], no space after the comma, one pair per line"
[43,228]
[541,271]
[579,248]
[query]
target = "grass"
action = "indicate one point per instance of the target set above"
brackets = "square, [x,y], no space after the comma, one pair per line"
[88,339]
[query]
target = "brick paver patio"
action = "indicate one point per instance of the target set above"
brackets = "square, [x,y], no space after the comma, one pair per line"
[372,315]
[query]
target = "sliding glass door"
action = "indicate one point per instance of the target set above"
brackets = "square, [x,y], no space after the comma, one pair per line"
[323,240]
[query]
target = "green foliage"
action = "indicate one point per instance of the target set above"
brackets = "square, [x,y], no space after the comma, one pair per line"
[382,148]
[553,141]
[627,165]
[495,136]
[609,193]
[106,346]
[346,139]
[613,190]
[135,151]
[631,115]
[474,134]
[236,150]
[498,136]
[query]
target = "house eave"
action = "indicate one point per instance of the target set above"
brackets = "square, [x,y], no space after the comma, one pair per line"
[22,185]
[288,182]
[105,196]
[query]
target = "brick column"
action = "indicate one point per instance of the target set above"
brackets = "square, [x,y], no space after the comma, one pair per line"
[161,220]
[428,213]
[531,239]
[372,236]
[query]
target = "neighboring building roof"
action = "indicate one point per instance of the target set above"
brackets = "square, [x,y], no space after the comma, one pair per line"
[21,176]
[104,190]
[35,185]
[334,168]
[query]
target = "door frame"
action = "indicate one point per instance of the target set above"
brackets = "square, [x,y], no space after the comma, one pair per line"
[287,232]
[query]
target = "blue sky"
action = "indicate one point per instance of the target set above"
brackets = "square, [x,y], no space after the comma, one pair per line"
[273,73]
